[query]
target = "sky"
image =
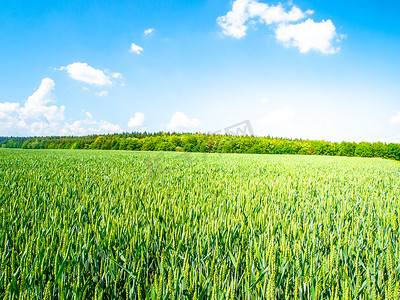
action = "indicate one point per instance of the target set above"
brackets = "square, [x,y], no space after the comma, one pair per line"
[326,70]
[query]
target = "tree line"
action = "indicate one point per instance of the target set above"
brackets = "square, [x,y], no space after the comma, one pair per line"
[198,142]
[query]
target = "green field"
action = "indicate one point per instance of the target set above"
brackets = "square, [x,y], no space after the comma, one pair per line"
[107,225]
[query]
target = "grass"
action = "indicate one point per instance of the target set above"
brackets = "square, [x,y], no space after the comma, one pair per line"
[108,225]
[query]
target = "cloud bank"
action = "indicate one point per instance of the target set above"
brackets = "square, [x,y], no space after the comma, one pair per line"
[36,117]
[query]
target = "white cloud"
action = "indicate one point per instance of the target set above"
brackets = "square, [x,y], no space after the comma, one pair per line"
[85,73]
[275,14]
[36,107]
[36,117]
[309,35]
[180,121]
[101,94]
[116,75]
[89,126]
[281,115]
[235,22]
[136,49]
[7,109]
[137,121]
[395,119]
[148,31]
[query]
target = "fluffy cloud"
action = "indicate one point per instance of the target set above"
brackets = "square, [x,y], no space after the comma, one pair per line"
[36,107]
[281,115]
[7,110]
[307,36]
[101,94]
[136,49]
[393,120]
[275,14]
[137,121]
[234,23]
[85,73]
[37,117]
[180,121]
[149,31]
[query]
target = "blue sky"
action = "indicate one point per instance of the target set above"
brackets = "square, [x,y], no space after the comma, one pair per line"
[302,69]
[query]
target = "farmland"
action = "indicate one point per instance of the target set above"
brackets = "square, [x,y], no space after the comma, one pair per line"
[169,225]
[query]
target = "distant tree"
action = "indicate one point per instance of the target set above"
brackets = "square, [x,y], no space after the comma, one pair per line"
[393,151]
[122,144]
[209,145]
[346,149]
[133,144]
[176,140]
[189,143]
[256,149]
[77,145]
[165,141]
[98,143]
[116,146]
[364,150]
[35,145]
[379,149]
[165,146]
[43,144]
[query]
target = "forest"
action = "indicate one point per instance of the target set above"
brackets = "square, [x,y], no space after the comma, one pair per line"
[207,143]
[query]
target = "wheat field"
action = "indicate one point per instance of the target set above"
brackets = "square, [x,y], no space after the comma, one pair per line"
[81,224]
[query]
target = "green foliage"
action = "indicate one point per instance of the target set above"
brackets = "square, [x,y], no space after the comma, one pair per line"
[206,143]
[132,225]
